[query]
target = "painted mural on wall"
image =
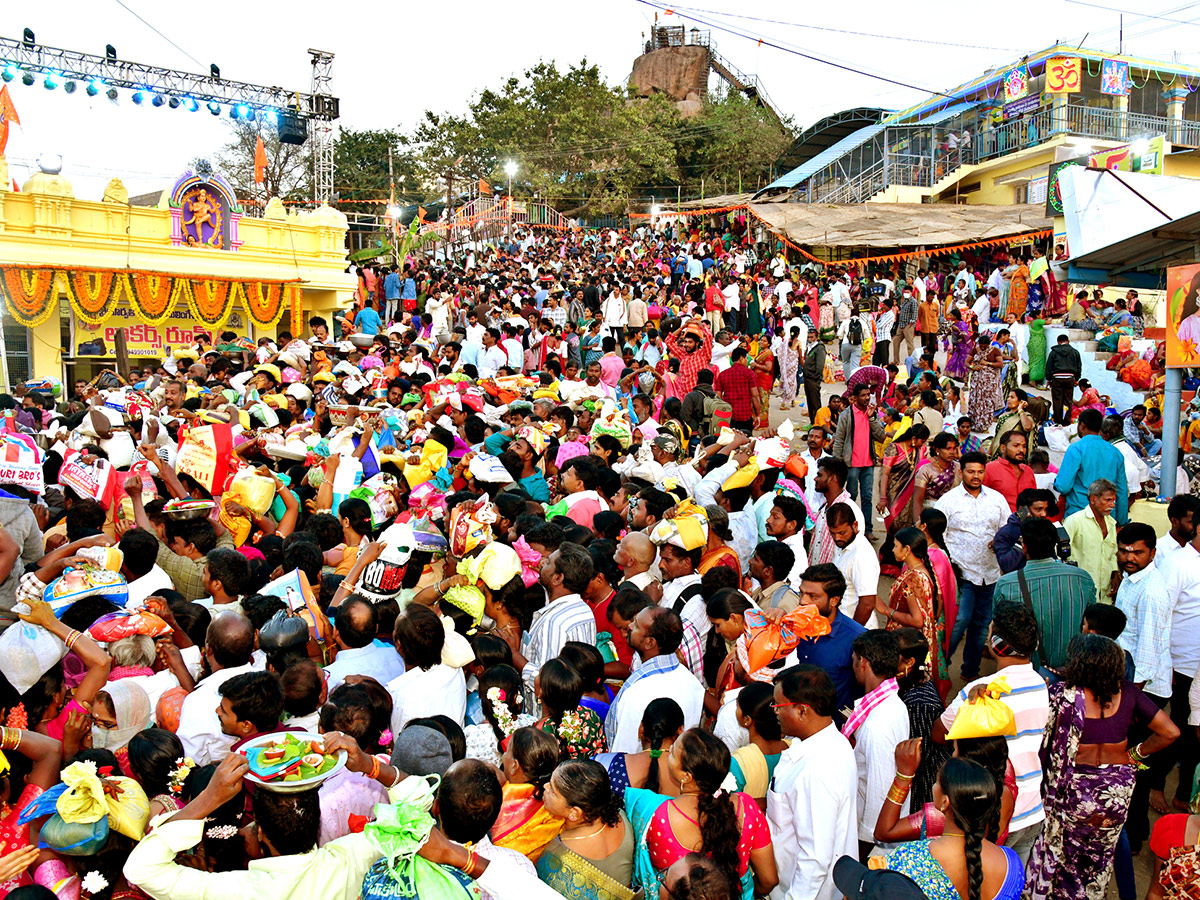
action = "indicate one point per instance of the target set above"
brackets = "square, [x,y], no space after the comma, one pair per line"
[204,210]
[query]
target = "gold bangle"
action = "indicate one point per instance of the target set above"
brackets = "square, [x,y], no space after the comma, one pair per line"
[905,777]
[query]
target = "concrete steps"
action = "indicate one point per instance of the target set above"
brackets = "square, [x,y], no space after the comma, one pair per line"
[1123,396]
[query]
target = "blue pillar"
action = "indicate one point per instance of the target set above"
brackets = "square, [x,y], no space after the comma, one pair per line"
[1172,407]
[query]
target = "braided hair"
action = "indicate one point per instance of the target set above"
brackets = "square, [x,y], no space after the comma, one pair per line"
[662,719]
[706,758]
[973,797]
[915,541]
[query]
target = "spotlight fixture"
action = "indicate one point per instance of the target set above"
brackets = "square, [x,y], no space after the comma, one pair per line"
[271,117]
[110,53]
[9,72]
[173,103]
[51,81]
[69,87]
[190,104]
[27,79]
[214,72]
[158,100]
[214,107]
[138,97]
[111,94]
[28,39]
[242,112]
[94,87]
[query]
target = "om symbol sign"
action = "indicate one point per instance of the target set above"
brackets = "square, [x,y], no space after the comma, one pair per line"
[1063,75]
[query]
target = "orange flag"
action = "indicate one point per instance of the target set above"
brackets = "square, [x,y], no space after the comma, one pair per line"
[421,213]
[484,187]
[260,161]
[8,115]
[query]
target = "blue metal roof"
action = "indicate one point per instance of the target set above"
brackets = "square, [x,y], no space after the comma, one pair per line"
[802,173]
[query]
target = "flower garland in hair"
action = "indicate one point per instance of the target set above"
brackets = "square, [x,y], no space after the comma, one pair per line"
[179,774]
[500,711]
[728,786]
[221,832]
[570,729]
[93,883]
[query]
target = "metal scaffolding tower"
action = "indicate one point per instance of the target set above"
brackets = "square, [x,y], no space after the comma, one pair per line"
[321,126]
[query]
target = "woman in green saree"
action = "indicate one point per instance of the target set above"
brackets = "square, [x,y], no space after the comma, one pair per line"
[592,857]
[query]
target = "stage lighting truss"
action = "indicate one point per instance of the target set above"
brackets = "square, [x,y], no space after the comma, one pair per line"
[157,86]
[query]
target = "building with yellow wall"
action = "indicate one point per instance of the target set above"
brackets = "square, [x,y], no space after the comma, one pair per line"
[73,272]
[993,139]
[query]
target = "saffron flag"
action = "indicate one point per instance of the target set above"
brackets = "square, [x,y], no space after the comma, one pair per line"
[421,213]
[484,187]
[8,115]
[260,161]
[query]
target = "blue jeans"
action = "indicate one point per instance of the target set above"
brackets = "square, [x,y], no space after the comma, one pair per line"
[974,616]
[860,484]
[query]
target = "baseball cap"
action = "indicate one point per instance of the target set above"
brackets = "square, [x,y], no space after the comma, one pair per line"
[667,442]
[858,882]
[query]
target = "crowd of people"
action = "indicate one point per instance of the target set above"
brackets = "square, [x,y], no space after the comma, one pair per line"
[536,542]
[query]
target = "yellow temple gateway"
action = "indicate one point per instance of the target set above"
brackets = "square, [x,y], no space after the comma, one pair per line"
[75,272]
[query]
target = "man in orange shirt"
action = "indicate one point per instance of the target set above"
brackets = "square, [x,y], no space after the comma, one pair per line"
[927,318]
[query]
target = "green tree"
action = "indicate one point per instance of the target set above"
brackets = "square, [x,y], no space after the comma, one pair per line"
[360,166]
[733,142]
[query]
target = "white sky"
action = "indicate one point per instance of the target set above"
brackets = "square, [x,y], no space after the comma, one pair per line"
[394,60]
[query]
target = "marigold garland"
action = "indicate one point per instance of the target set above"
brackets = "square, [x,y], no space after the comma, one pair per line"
[30,294]
[153,297]
[93,295]
[264,302]
[293,299]
[210,301]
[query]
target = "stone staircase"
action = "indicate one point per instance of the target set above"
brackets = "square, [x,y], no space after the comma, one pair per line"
[1123,396]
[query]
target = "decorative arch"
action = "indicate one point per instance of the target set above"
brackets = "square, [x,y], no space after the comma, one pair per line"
[204,210]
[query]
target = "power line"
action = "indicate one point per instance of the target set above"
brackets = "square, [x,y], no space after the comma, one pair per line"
[764,41]
[1140,15]
[159,33]
[887,37]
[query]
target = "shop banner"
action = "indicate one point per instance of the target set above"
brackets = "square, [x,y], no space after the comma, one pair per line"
[1150,161]
[146,341]
[21,462]
[1021,107]
[1064,75]
[1016,83]
[1183,316]
[1114,77]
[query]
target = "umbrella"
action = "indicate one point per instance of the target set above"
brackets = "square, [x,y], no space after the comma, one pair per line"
[875,376]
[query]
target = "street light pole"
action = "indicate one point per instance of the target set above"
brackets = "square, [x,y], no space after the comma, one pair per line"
[510,168]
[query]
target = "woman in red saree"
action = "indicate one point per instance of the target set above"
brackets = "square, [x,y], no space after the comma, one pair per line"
[913,601]
[904,456]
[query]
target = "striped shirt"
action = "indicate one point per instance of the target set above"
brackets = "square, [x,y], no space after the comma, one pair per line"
[1030,702]
[567,618]
[1059,593]
[1147,605]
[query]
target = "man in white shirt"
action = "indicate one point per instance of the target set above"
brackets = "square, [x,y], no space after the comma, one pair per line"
[354,630]
[733,305]
[681,591]
[565,574]
[655,636]
[857,561]
[228,647]
[786,524]
[494,356]
[1182,577]
[1181,513]
[815,443]
[812,800]
[879,722]
[974,514]
[428,686]
[1012,638]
